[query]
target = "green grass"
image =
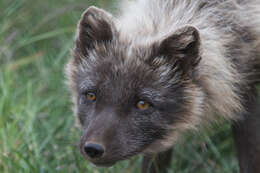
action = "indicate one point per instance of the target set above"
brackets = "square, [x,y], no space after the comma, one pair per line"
[37,132]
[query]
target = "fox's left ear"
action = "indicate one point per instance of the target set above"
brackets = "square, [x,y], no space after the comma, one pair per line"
[95,26]
[181,47]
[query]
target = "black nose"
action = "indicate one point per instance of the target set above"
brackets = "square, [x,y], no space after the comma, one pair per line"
[94,151]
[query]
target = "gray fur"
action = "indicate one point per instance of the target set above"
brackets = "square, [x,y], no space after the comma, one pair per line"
[208,51]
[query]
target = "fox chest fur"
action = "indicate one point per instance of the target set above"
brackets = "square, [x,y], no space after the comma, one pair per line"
[162,67]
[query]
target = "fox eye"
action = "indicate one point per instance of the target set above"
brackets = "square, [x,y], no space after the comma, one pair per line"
[142,105]
[91,96]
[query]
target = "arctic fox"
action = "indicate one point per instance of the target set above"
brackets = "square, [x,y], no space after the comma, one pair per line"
[162,67]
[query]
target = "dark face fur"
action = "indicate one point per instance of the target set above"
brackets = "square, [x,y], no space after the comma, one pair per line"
[129,98]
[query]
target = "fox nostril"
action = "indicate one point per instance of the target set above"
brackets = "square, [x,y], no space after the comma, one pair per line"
[94,151]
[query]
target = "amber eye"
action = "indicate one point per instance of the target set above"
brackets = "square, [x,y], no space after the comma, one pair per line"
[91,96]
[143,105]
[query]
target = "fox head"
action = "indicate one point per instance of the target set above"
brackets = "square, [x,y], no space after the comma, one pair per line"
[132,96]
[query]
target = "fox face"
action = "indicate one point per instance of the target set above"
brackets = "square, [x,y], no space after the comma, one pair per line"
[132,96]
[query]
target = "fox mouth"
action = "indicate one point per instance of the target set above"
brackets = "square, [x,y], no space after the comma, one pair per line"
[109,162]
[104,164]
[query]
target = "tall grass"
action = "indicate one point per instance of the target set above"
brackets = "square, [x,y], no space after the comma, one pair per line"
[37,132]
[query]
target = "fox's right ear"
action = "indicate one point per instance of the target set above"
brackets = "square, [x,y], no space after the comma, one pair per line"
[181,48]
[95,26]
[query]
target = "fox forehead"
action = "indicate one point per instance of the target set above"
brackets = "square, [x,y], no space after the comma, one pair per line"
[120,78]
[116,63]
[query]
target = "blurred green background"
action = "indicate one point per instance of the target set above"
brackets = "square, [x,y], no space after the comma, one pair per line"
[37,132]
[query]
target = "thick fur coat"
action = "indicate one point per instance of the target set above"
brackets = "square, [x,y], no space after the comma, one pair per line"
[194,61]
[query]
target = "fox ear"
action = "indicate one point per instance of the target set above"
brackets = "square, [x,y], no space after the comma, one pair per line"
[95,26]
[181,47]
